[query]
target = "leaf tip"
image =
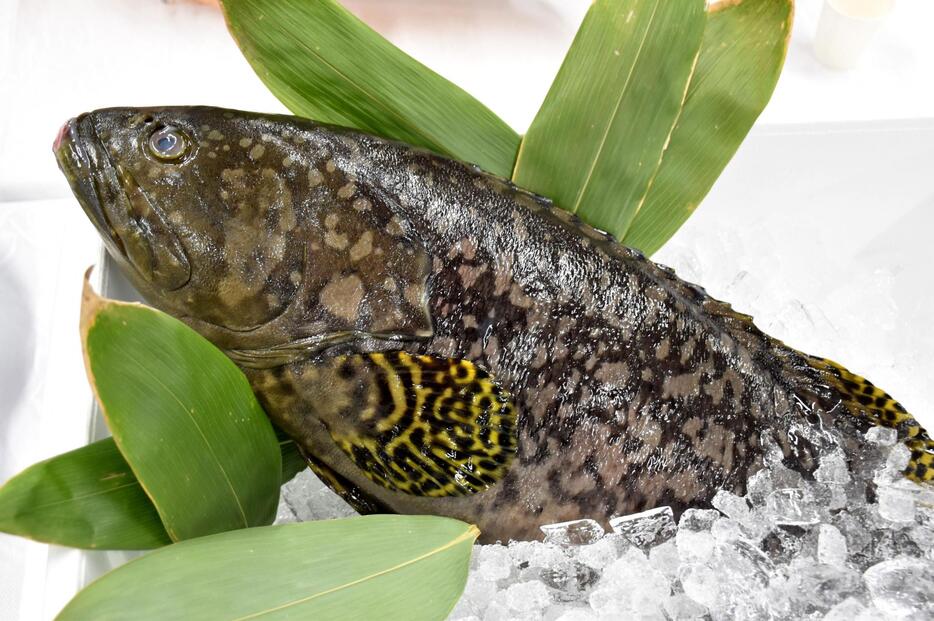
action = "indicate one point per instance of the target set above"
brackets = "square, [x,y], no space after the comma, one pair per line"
[91,303]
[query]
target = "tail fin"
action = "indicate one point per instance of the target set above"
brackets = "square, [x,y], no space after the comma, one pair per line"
[864,400]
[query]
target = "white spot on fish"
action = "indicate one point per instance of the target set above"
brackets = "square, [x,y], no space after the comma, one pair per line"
[257,152]
[342,295]
[363,247]
[347,191]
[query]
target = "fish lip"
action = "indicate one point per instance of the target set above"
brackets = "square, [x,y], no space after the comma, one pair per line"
[81,157]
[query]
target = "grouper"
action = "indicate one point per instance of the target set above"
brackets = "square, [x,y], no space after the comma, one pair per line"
[438,340]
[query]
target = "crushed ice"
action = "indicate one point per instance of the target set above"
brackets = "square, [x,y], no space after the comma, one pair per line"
[777,553]
[844,547]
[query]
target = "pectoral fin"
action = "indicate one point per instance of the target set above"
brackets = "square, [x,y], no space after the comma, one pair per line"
[425,426]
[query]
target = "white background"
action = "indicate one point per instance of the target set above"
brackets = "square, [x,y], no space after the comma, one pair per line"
[821,230]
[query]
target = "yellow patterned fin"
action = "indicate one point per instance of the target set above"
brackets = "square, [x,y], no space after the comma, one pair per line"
[863,399]
[432,427]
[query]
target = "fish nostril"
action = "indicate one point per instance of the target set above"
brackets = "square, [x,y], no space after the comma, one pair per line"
[65,134]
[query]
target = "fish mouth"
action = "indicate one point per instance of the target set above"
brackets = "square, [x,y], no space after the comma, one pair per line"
[88,169]
[132,227]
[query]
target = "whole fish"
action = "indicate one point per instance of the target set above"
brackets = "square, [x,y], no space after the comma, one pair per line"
[440,341]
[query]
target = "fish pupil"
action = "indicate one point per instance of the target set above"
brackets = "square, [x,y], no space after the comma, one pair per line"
[166,142]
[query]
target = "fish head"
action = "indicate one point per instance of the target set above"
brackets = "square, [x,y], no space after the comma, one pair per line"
[194,206]
[229,219]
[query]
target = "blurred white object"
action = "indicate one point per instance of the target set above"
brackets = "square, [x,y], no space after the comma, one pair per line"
[45,247]
[846,28]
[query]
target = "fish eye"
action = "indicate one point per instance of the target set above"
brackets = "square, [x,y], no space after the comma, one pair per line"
[168,143]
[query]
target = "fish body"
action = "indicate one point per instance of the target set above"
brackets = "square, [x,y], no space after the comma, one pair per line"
[440,341]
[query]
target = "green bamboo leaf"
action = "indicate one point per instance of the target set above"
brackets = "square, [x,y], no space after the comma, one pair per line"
[184,418]
[381,566]
[595,144]
[325,64]
[90,498]
[292,460]
[741,57]
[86,498]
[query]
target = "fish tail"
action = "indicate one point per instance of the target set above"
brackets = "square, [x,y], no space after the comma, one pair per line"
[869,403]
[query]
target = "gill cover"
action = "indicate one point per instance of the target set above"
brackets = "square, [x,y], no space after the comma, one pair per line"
[151,245]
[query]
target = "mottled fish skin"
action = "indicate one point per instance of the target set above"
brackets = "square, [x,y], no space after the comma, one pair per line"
[304,242]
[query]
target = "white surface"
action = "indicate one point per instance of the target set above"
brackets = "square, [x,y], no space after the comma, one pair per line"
[847,211]
[45,247]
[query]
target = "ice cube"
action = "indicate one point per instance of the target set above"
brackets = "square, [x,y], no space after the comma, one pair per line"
[923,537]
[310,499]
[601,553]
[833,469]
[478,593]
[498,611]
[882,436]
[898,458]
[646,529]
[609,602]
[284,513]
[698,519]
[575,532]
[665,558]
[700,583]
[742,564]
[731,505]
[831,546]
[695,546]
[830,496]
[895,505]
[529,596]
[575,614]
[569,579]
[632,574]
[726,529]
[821,586]
[785,543]
[521,552]
[680,607]
[759,486]
[903,586]
[492,562]
[792,506]
[847,610]
[546,555]
[855,526]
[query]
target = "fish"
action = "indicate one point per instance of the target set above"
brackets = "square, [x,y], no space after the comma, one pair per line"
[439,341]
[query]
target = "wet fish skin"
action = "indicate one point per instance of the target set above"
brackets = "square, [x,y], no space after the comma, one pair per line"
[302,245]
